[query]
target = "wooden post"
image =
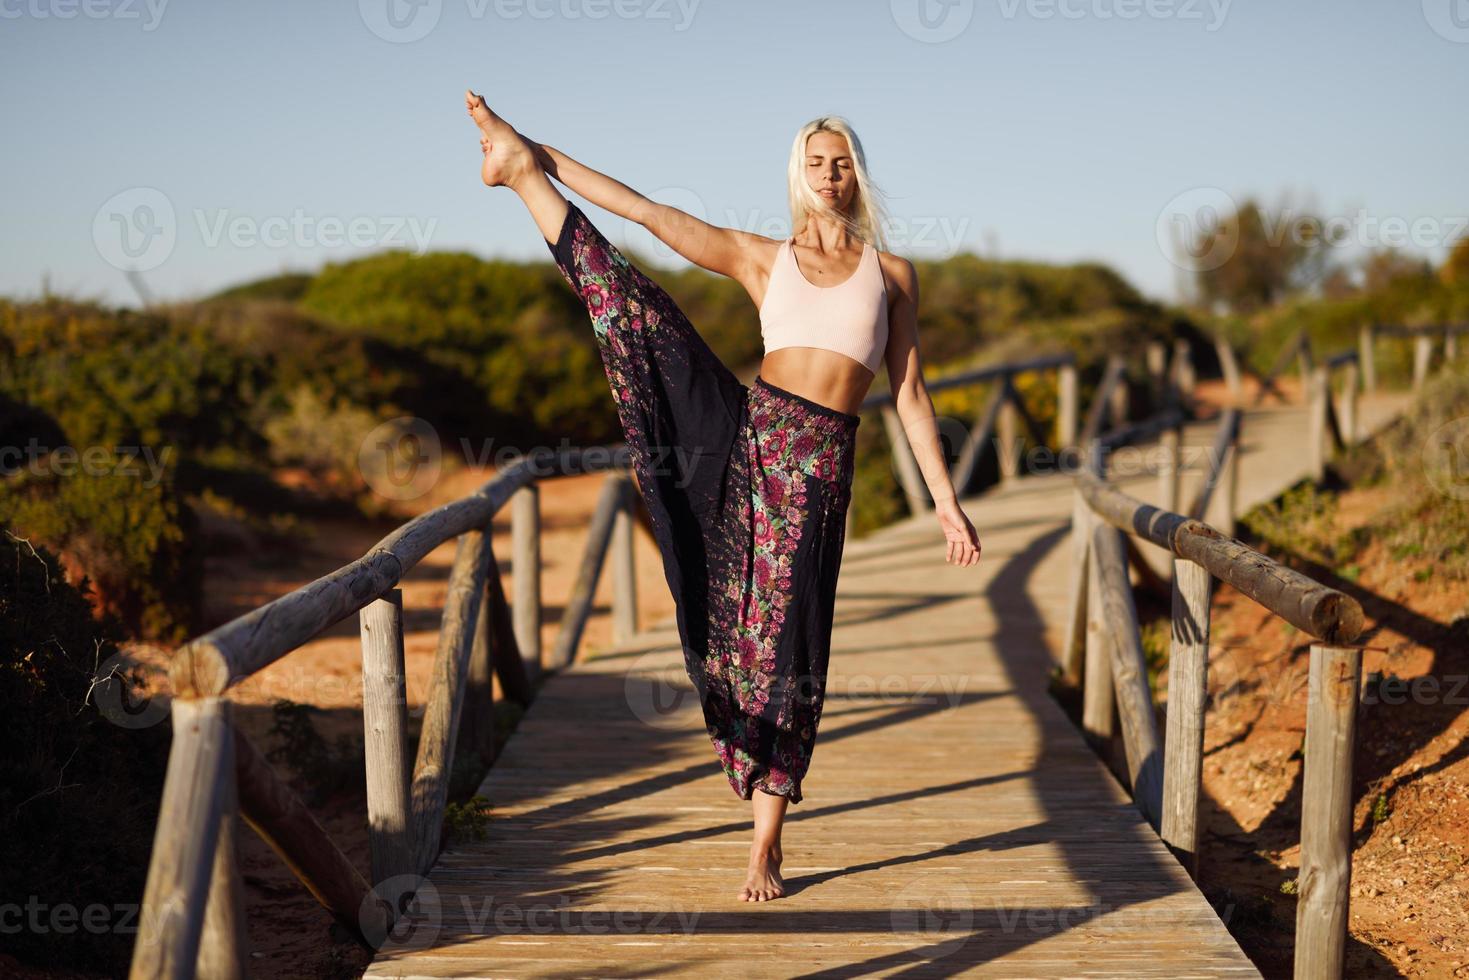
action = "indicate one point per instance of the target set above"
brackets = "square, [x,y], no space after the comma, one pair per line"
[429,789]
[1066,408]
[1156,356]
[1129,674]
[385,742]
[1450,344]
[1319,391]
[624,569]
[525,533]
[579,605]
[1168,465]
[1073,654]
[504,650]
[1422,357]
[222,947]
[1183,372]
[1305,358]
[184,841]
[1366,352]
[1188,684]
[477,724]
[1223,505]
[1349,416]
[1097,695]
[1120,403]
[1229,365]
[909,475]
[1326,812]
[1007,438]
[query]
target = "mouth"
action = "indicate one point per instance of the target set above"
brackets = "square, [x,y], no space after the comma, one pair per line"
[827,192]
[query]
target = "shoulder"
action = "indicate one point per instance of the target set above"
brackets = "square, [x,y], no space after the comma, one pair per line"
[899,273]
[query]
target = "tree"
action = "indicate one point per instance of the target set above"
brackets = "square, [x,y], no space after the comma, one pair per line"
[1259,256]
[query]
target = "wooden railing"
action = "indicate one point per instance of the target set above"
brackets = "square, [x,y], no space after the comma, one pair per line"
[193,920]
[1103,651]
[997,424]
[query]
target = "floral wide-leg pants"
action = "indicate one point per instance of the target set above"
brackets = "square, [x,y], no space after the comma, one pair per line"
[747,488]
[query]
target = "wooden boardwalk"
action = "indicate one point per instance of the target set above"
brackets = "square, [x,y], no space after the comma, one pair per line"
[954,820]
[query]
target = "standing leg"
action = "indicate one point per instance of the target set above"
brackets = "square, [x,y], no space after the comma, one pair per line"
[763,880]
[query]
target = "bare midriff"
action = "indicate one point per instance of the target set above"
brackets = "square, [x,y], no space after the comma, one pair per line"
[825,377]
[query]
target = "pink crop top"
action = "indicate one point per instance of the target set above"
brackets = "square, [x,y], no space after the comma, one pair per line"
[849,318]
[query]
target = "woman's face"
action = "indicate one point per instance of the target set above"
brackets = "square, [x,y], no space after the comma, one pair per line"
[829,169]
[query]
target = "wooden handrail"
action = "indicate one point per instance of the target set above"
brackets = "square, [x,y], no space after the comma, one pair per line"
[208,777]
[994,427]
[224,656]
[1167,789]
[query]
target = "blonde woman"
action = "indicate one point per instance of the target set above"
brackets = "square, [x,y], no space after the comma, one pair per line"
[747,487]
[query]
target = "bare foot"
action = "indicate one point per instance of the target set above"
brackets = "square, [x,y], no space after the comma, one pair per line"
[763,881]
[507,157]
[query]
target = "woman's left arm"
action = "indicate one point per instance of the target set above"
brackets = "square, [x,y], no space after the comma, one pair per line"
[915,411]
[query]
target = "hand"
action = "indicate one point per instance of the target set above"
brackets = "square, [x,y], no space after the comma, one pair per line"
[961,537]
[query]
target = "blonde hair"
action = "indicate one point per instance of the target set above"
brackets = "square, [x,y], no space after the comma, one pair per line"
[865,215]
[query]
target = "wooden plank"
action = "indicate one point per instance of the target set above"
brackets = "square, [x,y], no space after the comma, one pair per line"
[616,846]
[276,813]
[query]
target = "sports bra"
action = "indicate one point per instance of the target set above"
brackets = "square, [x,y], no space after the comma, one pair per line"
[849,318]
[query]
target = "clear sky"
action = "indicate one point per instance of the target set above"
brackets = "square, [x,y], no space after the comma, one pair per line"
[204,142]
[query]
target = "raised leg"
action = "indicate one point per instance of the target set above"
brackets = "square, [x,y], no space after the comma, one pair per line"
[509,162]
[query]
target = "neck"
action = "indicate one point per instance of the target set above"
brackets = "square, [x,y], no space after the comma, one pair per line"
[826,233]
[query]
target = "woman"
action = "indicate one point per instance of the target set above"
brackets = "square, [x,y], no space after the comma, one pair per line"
[747,488]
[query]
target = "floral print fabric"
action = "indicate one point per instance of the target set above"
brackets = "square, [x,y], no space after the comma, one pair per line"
[747,490]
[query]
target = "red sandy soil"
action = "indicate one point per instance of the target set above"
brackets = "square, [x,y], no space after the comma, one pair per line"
[1409,885]
[290,935]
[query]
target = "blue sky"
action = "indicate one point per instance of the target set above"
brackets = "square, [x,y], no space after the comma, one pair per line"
[206,143]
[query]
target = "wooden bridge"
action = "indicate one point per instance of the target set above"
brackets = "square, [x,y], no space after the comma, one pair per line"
[954,821]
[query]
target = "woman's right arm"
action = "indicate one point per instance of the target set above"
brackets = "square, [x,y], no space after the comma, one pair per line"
[727,251]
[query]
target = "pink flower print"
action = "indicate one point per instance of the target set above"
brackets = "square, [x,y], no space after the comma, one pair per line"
[636,323]
[803,444]
[764,570]
[824,468]
[774,443]
[776,485]
[747,652]
[597,298]
[763,532]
